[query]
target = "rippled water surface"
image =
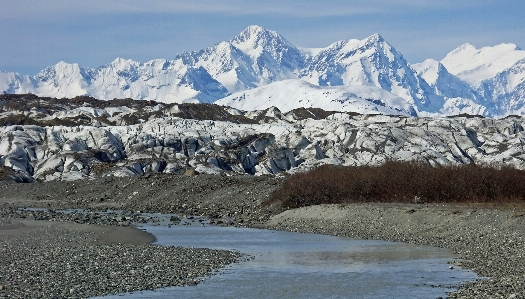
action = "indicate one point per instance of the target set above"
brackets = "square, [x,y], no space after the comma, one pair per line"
[294,265]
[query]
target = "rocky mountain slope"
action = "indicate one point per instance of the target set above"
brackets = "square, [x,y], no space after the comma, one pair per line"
[487,81]
[459,97]
[67,139]
[497,74]
[370,62]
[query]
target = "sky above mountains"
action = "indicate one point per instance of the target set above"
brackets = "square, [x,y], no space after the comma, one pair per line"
[37,34]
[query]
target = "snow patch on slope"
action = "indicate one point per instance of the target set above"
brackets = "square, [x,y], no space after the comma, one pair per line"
[291,94]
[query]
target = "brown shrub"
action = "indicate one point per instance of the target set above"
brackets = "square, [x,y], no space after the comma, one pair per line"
[402,182]
[209,112]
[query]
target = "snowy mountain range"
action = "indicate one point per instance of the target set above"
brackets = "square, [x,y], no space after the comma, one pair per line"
[259,68]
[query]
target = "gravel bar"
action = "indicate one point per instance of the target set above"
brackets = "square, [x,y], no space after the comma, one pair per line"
[58,262]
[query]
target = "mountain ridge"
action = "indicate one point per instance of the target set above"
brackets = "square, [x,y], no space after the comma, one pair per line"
[487,81]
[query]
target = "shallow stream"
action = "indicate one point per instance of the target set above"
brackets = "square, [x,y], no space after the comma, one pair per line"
[294,265]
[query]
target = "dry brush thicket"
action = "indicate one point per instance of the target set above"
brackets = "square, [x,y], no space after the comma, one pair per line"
[403,182]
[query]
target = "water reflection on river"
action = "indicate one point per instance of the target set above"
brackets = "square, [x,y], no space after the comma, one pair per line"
[293,265]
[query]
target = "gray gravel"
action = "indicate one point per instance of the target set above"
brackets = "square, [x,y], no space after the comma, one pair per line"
[111,217]
[231,200]
[489,241]
[226,200]
[57,262]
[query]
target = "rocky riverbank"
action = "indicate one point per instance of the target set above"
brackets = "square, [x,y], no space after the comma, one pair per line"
[489,241]
[41,259]
[46,253]
[226,200]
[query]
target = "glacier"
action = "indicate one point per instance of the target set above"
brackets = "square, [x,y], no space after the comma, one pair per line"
[81,138]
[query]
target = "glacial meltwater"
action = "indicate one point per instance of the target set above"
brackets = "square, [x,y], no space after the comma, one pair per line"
[295,265]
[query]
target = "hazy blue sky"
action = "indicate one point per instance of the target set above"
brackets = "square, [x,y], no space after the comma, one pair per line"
[35,34]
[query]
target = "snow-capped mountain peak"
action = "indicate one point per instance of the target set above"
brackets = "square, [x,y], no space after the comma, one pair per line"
[256,41]
[64,79]
[458,96]
[124,64]
[256,57]
[429,70]
[61,69]
[370,62]
[257,36]
[475,65]
[375,38]
[466,47]
[488,81]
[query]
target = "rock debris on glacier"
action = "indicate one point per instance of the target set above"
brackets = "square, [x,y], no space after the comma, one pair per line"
[142,138]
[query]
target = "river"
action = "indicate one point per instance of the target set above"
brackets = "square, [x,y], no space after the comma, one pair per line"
[295,265]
